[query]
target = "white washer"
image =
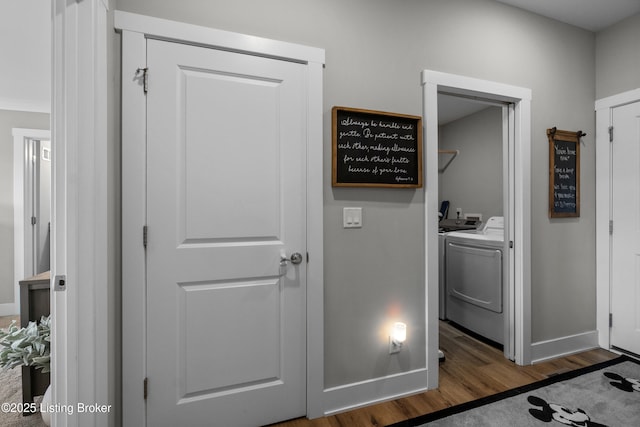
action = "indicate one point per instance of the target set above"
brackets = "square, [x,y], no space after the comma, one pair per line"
[474,279]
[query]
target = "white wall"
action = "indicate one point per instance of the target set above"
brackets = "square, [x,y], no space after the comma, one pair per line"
[25,82]
[25,43]
[473,179]
[375,51]
[618,58]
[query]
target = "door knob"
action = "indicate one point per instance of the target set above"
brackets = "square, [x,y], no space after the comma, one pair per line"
[296,258]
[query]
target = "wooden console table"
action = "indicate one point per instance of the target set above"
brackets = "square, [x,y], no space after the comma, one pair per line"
[34,303]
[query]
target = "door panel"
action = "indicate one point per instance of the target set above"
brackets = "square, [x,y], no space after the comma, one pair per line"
[625,243]
[230,305]
[250,144]
[226,181]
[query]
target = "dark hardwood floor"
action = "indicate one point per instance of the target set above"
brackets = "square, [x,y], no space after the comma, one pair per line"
[472,370]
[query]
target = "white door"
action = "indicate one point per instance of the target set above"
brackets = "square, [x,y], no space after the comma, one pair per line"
[42,206]
[625,243]
[226,171]
[37,206]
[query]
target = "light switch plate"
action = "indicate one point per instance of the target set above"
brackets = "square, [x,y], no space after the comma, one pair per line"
[352,217]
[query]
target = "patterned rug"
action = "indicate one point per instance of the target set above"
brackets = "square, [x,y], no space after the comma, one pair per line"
[606,394]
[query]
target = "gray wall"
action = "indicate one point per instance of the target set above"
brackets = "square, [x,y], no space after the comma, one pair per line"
[473,179]
[618,58]
[8,121]
[375,52]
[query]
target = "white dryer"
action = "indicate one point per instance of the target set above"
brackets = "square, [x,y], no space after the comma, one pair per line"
[474,279]
[442,284]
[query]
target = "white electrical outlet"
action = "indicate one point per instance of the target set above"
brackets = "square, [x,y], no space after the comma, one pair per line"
[394,347]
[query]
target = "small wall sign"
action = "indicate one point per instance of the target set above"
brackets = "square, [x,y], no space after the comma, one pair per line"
[376,149]
[564,173]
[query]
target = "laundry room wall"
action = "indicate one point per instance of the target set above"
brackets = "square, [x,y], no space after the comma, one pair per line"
[9,120]
[618,58]
[375,51]
[473,179]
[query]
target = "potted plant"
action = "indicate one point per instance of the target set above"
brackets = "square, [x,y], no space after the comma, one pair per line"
[28,346]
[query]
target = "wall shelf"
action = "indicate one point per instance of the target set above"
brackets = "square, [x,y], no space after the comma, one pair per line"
[452,153]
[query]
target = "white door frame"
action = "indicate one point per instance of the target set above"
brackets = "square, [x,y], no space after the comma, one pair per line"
[604,109]
[520,214]
[83,356]
[21,245]
[135,30]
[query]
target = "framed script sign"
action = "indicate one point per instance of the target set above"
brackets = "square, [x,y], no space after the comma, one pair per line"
[564,173]
[376,149]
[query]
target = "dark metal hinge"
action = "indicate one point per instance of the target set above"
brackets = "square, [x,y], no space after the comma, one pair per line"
[33,220]
[611,226]
[145,389]
[611,320]
[145,233]
[610,133]
[145,77]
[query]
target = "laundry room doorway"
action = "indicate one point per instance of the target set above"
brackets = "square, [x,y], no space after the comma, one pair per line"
[474,273]
[515,108]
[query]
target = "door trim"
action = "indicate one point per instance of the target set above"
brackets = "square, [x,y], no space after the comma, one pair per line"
[21,253]
[604,109]
[135,30]
[82,357]
[518,224]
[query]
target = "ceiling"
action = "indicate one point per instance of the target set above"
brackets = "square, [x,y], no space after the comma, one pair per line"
[592,15]
[452,108]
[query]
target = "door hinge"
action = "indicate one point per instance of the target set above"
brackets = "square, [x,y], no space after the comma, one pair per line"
[510,244]
[145,233]
[611,227]
[307,257]
[611,320]
[145,389]
[610,133]
[144,72]
[33,220]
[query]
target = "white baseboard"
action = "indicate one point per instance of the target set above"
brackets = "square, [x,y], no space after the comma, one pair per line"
[9,309]
[356,395]
[564,346]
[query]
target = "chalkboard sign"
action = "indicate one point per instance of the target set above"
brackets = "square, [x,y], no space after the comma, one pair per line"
[376,149]
[564,173]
